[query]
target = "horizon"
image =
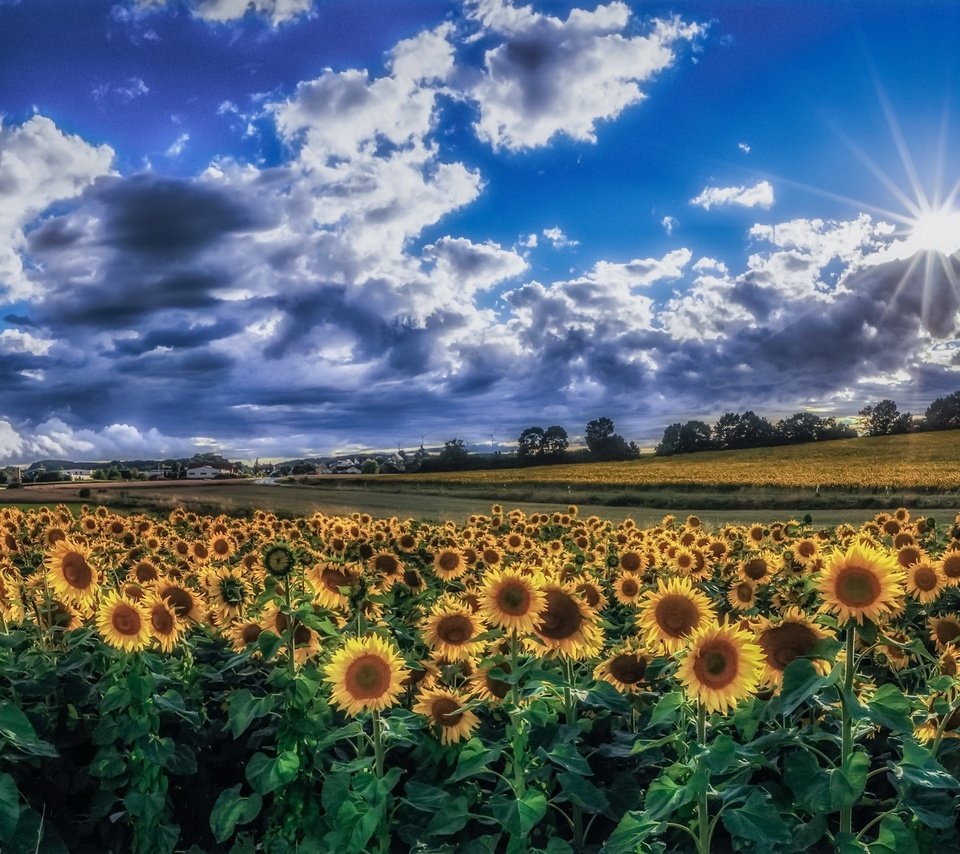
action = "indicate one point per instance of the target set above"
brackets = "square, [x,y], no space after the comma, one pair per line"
[305,228]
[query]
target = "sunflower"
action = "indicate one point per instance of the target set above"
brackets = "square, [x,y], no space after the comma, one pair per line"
[449,563]
[165,625]
[944,629]
[70,574]
[228,593]
[422,675]
[279,560]
[893,650]
[925,581]
[385,566]
[221,547]
[861,583]
[366,675]
[328,579]
[488,687]
[684,561]
[909,555]
[758,568]
[632,561]
[444,709]
[512,600]
[787,638]
[625,667]
[183,601]
[672,612]
[591,592]
[628,588]
[950,566]
[950,660]
[242,633]
[805,551]
[451,629]
[53,534]
[742,595]
[722,666]
[567,625]
[144,571]
[123,624]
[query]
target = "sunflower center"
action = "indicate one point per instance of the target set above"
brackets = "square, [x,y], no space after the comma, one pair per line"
[455,629]
[755,569]
[250,632]
[631,561]
[161,619]
[333,579]
[806,549]
[744,592]
[498,687]
[676,615]
[126,620]
[514,599]
[449,561]
[782,644]
[857,587]
[444,712]
[716,664]
[200,550]
[629,587]
[908,556]
[76,570]
[951,566]
[925,578]
[947,630]
[180,600]
[146,571]
[367,677]
[562,617]
[221,547]
[628,669]
[387,564]
[589,593]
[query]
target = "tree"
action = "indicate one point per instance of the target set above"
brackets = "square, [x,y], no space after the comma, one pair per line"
[530,443]
[884,419]
[742,431]
[555,442]
[454,454]
[603,443]
[685,438]
[943,413]
[370,466]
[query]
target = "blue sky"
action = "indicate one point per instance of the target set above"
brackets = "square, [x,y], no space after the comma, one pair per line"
[284,227]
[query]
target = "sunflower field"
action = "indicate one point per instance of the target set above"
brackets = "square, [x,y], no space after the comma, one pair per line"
[522,683]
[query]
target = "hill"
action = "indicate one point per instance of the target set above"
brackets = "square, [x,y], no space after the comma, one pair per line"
[916,461]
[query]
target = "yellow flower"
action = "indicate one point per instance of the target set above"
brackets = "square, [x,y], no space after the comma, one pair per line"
[70,574]
[861,583]
[722,666]
[785,639]
[628,588]
[165,625]
[366,675]
[672,612]
[123,624]
[567,625]
[444,709]
[511,600]
[625,667]
[742,595]
[925,581]
[450,631]
[944,629]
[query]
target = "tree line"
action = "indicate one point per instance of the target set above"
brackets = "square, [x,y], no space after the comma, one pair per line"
[735,430]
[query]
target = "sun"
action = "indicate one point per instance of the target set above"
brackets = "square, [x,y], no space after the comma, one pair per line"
[936,231]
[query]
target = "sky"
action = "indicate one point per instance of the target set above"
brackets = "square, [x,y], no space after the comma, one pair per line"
[283,228]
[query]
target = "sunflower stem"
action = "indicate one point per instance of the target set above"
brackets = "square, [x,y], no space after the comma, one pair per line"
[703,815]
[378,744]
[291,629]
[846,814]
[570,712]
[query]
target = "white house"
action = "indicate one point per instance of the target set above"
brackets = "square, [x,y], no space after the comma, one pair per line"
[202,473]
[79,474]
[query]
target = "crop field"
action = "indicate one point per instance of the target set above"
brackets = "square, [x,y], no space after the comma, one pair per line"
[921,461]
[524,682]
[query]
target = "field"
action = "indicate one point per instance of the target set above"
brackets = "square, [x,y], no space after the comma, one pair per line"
[552,683]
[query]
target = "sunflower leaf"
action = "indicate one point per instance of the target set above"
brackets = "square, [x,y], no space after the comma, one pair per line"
[230,810]
[888,707]
[267,774]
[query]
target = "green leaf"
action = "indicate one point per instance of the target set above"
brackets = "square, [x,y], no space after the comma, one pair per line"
[581,792]
[606,696]
[9,807]
[266,774]
[800,682]
[757,821]
[243,709]
[847,843]
[664,796]
[666,709]
[474,759]
[849,780]
[230,810]
[919,768]
[424,797]
[888,707]
[567,757]
[17,729]
[451,818]
[532,807]
[894,838]
[721,754]
[808,781]
[629,835]
[268,643]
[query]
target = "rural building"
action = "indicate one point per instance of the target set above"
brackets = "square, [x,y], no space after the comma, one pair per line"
[79,474]
[203,473]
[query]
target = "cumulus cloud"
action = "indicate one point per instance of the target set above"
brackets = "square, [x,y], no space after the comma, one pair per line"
[558,239]
[550,76]
[222,11]
[760,195]
[39,164]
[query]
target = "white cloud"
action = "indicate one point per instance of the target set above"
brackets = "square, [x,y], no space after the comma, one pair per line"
[469,267]
[759,195]
[559,240]
[669,223]
[15,341]
[744,147]
[39,164]
[553,76]
[222,11]
[126,92]
[530,241]
[178,145]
